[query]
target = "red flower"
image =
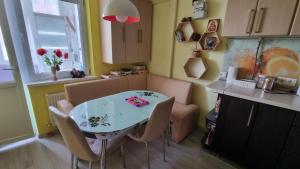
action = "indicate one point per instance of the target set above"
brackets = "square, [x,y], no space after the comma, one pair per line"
[58,53]
[66,55]
[41,51]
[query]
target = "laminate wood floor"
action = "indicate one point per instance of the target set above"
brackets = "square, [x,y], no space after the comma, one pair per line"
[51,153]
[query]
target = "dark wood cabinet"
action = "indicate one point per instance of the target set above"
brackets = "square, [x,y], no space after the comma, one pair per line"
[289,161]
[235,129]
[297,121]
[293,143]
[253,134]
[268,136]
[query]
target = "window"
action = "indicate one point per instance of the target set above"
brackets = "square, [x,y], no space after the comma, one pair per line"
[5,75]
[54,24]
[46,6]
[3,52]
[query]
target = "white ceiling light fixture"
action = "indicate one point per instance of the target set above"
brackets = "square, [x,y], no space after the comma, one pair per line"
[122,11]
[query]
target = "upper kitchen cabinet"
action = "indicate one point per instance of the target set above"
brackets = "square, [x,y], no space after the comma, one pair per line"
[239,17]
[145,30]
[295,31]
[127,43]
[258,18]
[274,17]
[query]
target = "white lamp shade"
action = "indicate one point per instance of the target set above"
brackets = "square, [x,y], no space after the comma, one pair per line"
[121,11]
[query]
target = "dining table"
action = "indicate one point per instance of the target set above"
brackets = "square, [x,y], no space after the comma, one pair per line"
[113,115]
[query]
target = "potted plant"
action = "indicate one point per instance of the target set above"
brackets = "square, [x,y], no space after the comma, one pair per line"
[54,61]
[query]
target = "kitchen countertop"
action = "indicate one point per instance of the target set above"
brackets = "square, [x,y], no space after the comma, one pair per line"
[286,101]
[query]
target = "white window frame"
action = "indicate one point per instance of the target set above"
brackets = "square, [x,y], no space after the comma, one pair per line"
[3,62]
[28,71]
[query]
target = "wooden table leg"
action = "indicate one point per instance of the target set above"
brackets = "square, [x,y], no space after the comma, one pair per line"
[103,154]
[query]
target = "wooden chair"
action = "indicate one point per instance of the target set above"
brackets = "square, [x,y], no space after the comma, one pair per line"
[156,127]
[81,147]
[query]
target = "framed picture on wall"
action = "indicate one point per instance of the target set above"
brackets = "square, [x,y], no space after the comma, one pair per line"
[210,42]
[213,25]
[200,9]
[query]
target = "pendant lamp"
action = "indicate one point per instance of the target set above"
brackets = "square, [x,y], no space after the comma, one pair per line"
[122,11]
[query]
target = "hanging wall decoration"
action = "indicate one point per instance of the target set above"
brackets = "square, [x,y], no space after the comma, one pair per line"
[185,31]
[210,40]
[200,8]
[195,67]
[213,25]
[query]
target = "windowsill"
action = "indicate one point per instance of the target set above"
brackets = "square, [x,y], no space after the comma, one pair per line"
[7,85]
[61,81]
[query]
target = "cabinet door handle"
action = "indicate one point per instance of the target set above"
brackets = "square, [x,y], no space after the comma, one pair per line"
[123,34]
[261,15]
[250,20]
[141,36]
[138,36]
[250,116]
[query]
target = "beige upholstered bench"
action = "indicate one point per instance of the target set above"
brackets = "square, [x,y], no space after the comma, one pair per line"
[184,115]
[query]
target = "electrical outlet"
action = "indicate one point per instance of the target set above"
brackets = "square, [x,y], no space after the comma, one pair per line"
[223,76]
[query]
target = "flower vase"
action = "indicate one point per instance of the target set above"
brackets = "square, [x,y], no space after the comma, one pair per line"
[53,71]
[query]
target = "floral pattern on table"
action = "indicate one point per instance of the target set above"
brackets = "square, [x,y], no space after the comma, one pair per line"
[94,121]
[147,93]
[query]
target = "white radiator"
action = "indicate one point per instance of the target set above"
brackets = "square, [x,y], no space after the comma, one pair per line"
[52,99]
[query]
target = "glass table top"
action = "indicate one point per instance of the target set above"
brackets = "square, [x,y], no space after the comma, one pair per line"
[113,113]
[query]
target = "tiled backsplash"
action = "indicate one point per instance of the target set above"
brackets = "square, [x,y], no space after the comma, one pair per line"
[277,57]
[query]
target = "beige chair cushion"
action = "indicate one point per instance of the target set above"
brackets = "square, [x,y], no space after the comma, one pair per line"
[170,87]
[184,120]
[77,93]
[72,136]
[157,123]
[64,106]
[82,147]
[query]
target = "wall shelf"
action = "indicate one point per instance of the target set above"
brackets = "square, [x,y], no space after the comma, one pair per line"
[210,41]
[185,32]
[195,67]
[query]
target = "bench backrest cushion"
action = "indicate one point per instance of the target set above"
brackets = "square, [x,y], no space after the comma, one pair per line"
[77,93]
[170,87]
[137,82]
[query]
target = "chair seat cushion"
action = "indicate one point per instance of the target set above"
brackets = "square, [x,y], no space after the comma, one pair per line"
[184,120]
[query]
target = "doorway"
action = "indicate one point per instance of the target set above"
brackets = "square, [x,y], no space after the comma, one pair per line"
[15,122]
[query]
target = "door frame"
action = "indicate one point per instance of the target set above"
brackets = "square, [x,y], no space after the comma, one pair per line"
[16,74]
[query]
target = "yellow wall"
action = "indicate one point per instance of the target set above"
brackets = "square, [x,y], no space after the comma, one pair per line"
[38,94]
[161,38]
[162,26]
